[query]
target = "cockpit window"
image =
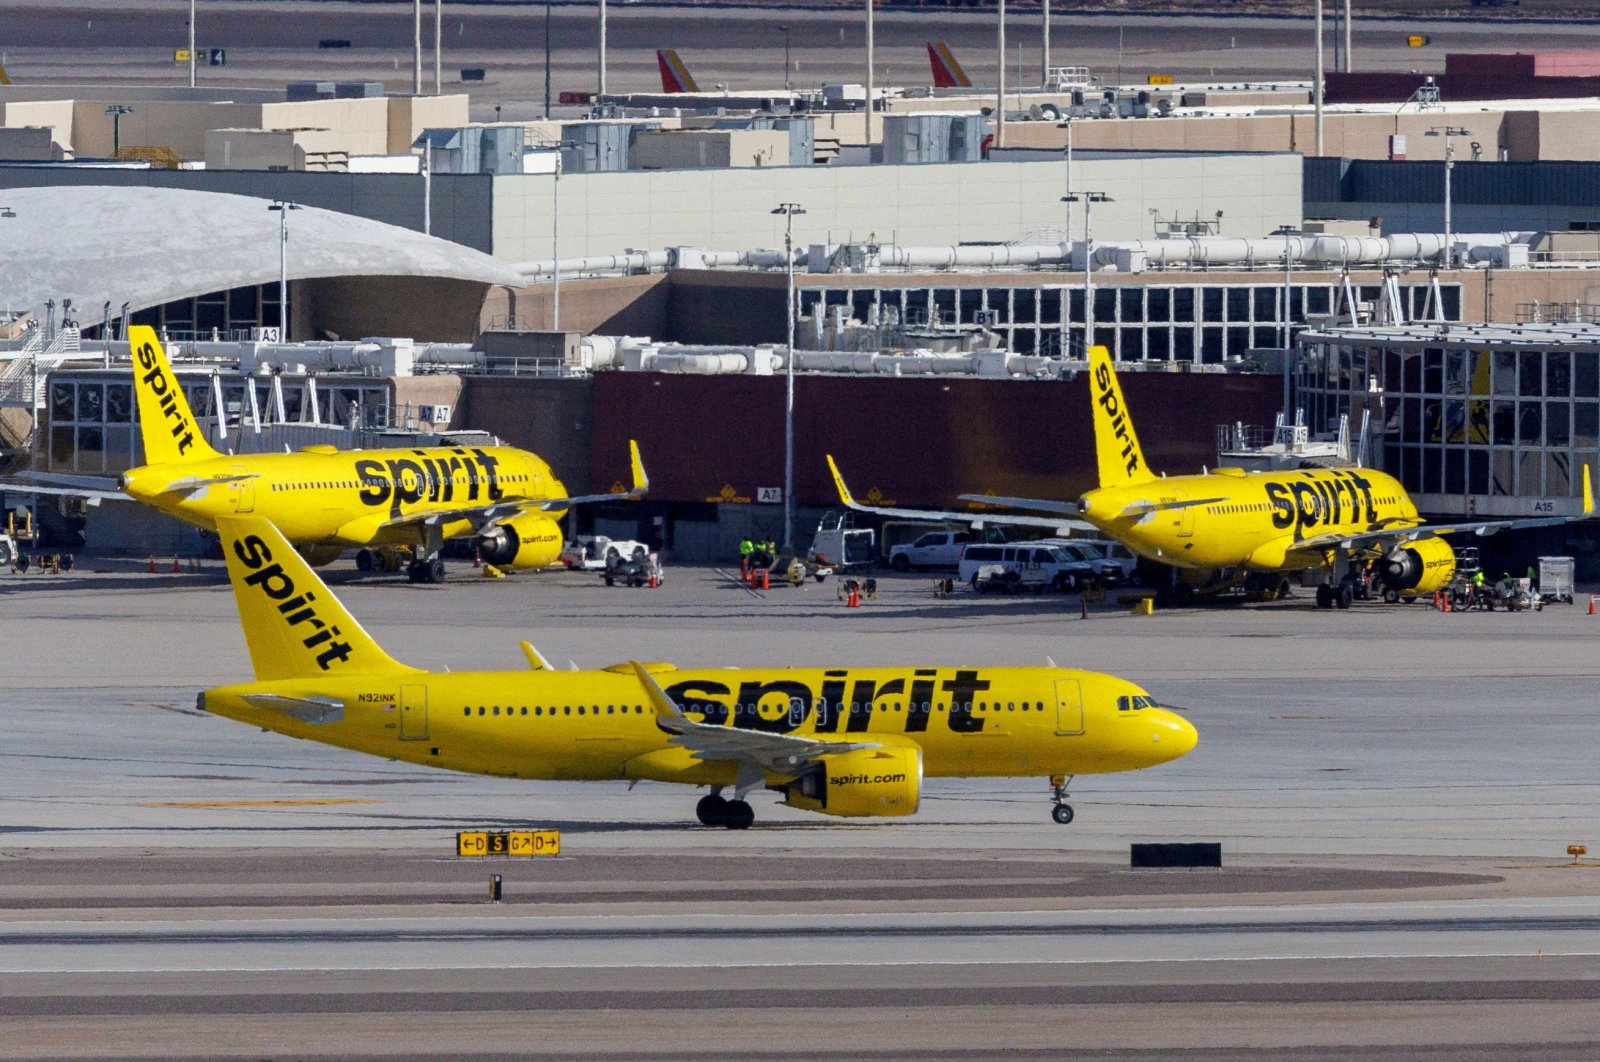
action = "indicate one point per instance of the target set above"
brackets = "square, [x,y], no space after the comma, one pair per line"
[1133,704]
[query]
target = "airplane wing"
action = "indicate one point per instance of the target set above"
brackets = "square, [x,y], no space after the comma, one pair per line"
[93,497]
[1058,523]
[484,516]
[752,750]
[61,479]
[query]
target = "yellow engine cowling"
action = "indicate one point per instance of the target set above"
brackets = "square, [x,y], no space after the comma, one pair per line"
[866,782]
[1419,567]
[531,540]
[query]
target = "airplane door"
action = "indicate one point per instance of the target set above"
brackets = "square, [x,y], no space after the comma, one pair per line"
[244,498]
[413,713]
[1069,707]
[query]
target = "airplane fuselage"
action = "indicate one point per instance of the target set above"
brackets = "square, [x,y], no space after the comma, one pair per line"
[1251,520]
[345,497]
[977,721]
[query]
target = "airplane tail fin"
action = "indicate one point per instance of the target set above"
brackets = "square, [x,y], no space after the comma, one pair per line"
[293,624]
[675,76]
[947,72]
[1121,459]
[1588,493]
[166,423]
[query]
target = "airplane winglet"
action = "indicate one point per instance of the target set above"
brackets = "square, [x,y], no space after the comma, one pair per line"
[641,481]
[536,660]
[839,484]
[666,709]
[1588,493]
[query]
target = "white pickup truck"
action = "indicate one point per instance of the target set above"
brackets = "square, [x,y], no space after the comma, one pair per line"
[936,549]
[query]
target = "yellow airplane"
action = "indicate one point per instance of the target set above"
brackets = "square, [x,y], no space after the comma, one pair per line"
[844,741]
[327,500]
[1232,520]
[1267,521]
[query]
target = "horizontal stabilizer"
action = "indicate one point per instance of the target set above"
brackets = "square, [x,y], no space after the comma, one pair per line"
[1145,508]
[1058,524]
[1035,504]
[314,710]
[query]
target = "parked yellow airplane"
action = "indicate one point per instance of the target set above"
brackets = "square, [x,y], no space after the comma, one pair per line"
[1265,521]
[327,500]
[843,741]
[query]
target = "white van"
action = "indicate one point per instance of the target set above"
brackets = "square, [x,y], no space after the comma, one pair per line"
[1022,566]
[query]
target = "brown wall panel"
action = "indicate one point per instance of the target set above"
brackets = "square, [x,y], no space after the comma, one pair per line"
[918,442]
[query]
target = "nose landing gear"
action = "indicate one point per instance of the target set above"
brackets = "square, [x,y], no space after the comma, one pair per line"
[1062,811]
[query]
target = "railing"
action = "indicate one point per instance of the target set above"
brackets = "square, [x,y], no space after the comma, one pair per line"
[1557,313]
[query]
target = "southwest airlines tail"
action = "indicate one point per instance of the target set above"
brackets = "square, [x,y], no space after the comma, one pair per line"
[947,73]
[166,422]
[1116,446]
[293,624]
[675,76]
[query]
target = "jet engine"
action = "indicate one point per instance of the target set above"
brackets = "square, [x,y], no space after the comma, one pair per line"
[885,781]
[1418,568]
[531,540]
[320,556]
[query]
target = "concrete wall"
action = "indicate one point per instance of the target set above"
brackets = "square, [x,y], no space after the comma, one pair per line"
[177,124]
[427,309]
[604,213]
[29,144]
[359,126]
[408,116]
[613,306]
[55,115]
[257,149]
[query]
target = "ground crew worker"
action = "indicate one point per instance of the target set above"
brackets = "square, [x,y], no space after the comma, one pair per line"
[745,546]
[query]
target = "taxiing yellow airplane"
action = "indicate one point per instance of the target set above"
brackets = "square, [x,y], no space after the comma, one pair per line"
[327,500]
[844,741]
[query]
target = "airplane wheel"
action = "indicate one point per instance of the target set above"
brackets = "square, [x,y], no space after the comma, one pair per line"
[901,563]
[1391,597]
[1062,813]
[1324,596]
[1409,598]
[712,810]
[364,560]
[739,815]
[414,572]
[1346,594]
[432,571]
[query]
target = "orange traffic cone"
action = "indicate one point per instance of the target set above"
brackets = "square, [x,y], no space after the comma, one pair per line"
[1591,604]
[152,568]
[177,568]
[766,579]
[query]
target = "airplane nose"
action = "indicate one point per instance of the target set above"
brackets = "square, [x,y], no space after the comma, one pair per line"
[1171,735]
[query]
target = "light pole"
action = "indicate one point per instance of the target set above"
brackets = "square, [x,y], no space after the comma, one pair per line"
[1088,199]
[788,210]
[1044,43]
[1287,231]
[1448,257]
[871,87]
[191,44]
[785,31]
[416,47]
[555,237]
[547,60]
[427,185]
[1000,78]
[283,207]
[601,79]
[1316,87]
[116,111]
[438,47]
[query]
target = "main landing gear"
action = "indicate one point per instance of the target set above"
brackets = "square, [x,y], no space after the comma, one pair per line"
[714,810]
[1329,595]
[426,571]
[1062,812]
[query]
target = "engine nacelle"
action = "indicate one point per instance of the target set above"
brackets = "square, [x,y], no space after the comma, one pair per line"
[1419,567]
[320,556]
[531,540]
[866,782]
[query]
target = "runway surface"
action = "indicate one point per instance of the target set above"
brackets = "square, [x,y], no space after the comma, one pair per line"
[271,42]
[1394,790]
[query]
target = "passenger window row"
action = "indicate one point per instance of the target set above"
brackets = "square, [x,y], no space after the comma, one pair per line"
[539,710]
